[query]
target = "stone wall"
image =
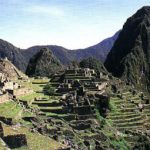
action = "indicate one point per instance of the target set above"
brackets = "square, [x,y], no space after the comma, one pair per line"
[8,85]
[4,98]
[15,141]
[1,130]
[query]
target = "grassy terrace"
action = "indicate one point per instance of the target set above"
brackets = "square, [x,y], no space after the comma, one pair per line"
[9,109]
[37,85]
[31,97]
[125,113]
[35,141]
[12,110]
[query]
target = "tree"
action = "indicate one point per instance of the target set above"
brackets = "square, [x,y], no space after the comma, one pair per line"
[49,90]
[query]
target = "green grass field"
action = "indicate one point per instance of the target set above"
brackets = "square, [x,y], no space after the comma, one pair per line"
[9,109]
[35,141]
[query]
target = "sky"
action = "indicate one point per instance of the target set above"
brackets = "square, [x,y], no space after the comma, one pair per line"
[72,24]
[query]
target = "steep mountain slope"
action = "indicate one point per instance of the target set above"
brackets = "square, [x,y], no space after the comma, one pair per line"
[130,56]
[98,51]
[44,63]
[9,71]
[13,54]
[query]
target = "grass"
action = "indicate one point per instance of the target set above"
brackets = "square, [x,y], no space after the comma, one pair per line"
[50,108]
[35,141]
[27,114]
[41,81]
[9,109]
[37,85]
[31,97]
[2,146]
[121,145]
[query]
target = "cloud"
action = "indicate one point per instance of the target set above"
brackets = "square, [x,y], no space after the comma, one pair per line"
[45,10]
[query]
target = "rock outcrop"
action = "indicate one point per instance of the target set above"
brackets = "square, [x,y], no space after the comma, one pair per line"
[9,71]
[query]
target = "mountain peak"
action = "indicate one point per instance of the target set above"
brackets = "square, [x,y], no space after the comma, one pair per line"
[37,63]
[144,11]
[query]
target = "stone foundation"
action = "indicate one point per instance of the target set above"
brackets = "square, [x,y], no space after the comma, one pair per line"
[6,120]
[1,130]
[15,141]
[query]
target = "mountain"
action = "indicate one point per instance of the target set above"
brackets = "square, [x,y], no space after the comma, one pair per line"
[13,53]
[60,52]
[98,51]
[43,63]
[129,58]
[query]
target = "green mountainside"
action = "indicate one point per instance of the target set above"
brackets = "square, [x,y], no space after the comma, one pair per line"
[44,63]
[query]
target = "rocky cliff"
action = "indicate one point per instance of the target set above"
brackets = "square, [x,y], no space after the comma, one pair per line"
[9,71]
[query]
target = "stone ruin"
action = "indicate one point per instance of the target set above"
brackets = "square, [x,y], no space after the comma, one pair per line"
[13,141]
[10,89]
[83,93]
[82,89]
[73,79]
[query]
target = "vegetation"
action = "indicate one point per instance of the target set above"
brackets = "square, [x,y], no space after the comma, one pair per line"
[9,109]
[37,67]
[49,90]
[92,63]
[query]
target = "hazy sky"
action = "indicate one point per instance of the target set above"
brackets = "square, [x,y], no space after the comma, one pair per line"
[69,23]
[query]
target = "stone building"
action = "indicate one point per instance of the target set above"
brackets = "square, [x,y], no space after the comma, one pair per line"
[8,85]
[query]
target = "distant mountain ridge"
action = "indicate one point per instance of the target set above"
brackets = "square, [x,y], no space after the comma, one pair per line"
[20,57]
[129,58]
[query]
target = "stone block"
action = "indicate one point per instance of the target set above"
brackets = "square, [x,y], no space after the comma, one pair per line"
[15,141]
